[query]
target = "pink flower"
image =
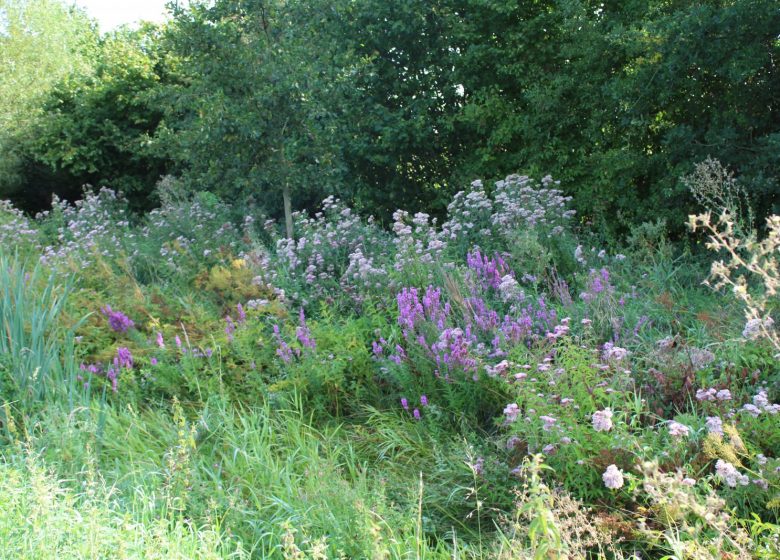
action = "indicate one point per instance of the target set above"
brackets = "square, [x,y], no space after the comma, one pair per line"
[511,411]
[678,430]
[715,425]
[613,478]
[549,422]
[730,475]
[602,420]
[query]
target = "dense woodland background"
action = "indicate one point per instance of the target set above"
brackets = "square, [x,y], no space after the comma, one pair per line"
[394,104]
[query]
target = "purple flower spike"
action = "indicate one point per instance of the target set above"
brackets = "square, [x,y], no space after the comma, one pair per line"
[124,359]
[230,327]
[416,414]
[424,400]
[118,321]
[404,403]
[160,341]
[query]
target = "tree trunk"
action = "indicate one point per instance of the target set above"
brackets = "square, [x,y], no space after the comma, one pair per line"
[288,220]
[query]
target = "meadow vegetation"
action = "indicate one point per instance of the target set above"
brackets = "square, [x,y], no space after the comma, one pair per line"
[500,386]
[293,324]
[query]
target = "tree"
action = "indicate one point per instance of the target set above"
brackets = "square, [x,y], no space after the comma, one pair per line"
[620,99]
[98,126]
[41,42]
[395,128]
[251,122]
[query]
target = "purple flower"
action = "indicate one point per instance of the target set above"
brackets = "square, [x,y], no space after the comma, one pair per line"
[118,321]
[241,313]
[230,327]
[549,422]
[153,361]
[178,341]
[112,376]
[729,473]
[160,341]
[283,350]
[424,400]
[511,412]
[409,308]
[124,359]
[303,333]
[416,414]
[723,395]
[404,403]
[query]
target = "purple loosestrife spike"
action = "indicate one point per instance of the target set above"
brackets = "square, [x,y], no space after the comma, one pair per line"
[416,414]
[241,313]
[124,359]
[230,327]
[404,403]
[160,341]
[178,341]
[424,400]
[112,375]
[118,321]
[303,334]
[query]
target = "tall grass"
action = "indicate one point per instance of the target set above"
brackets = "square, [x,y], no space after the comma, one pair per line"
[224,481]
[37,355]
[42,519]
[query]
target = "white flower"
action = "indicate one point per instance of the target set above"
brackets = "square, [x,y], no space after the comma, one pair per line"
[578,255]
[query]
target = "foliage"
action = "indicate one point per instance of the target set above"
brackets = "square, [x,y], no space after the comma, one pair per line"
[618,99]
[41,43]
[492,375]
[257,77]
[98,125]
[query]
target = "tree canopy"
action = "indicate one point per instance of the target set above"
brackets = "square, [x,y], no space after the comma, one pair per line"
[398,104]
